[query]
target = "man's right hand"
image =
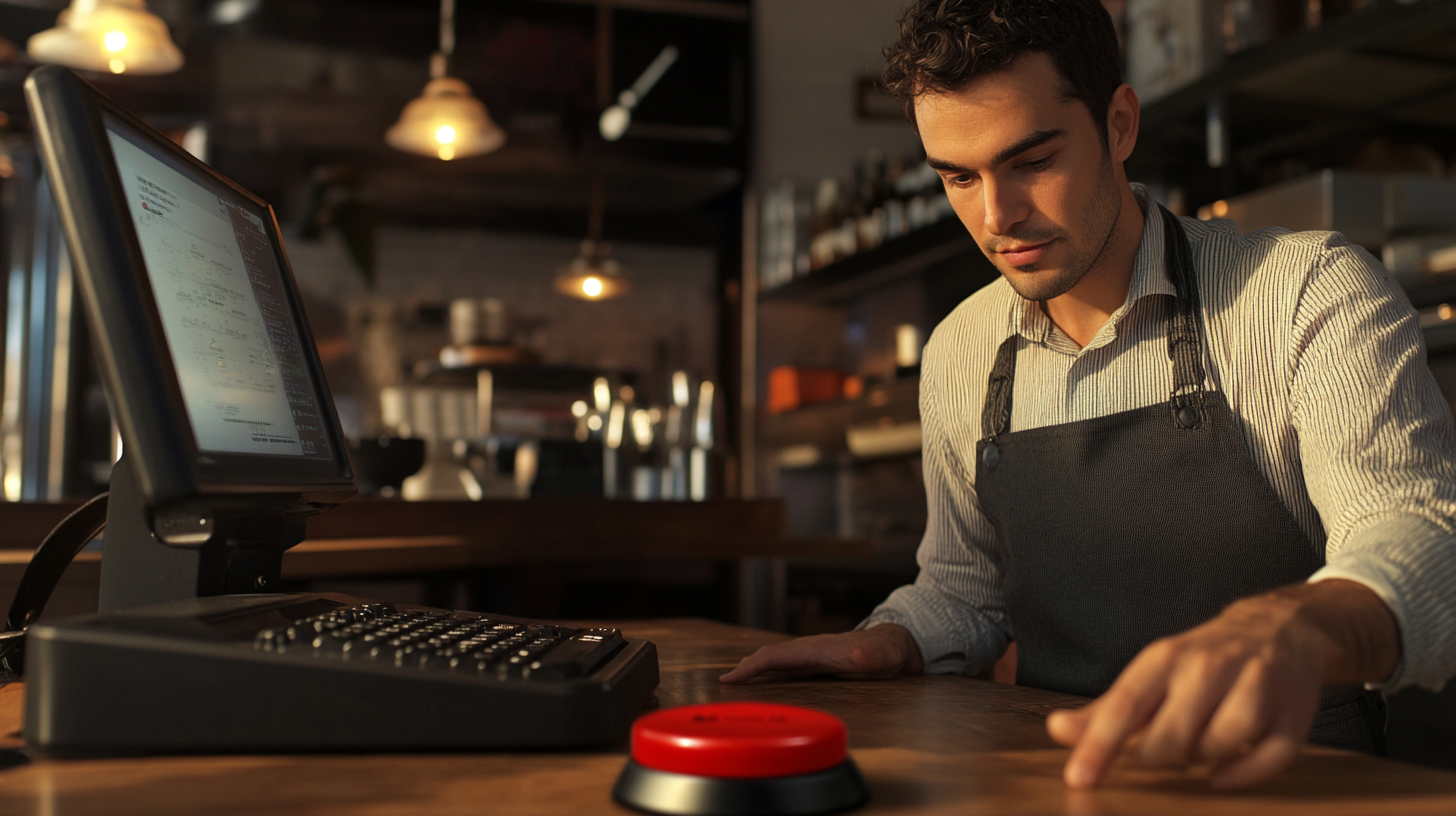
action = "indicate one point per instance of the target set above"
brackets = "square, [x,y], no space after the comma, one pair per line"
[883,651]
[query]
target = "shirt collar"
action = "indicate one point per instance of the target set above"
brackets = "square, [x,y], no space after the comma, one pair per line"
[1149,277]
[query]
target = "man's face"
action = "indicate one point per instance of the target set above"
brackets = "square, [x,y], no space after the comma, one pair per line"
[1027,173]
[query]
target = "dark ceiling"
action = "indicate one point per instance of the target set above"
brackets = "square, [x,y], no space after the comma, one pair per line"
[299,85]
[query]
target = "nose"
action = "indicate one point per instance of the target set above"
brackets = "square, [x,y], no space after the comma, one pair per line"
[1004,206]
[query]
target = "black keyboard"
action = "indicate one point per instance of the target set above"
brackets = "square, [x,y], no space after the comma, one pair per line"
[325,672]
[447,641]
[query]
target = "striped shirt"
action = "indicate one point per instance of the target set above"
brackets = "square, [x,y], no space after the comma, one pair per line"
[1321,360]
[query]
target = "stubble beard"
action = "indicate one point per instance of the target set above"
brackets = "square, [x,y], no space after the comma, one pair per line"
[1098,218]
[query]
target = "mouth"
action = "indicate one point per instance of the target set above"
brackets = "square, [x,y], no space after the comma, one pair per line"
[1024,255]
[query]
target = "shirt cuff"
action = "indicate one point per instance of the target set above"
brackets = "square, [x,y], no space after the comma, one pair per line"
[952,639]
[1410,563]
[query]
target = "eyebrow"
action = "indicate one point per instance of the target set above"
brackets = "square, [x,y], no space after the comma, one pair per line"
[1035,140]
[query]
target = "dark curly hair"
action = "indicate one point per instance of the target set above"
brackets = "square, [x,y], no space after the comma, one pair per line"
[944,45]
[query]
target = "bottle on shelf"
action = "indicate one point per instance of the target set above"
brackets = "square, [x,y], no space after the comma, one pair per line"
[908,345]
[823,247]
[883,201]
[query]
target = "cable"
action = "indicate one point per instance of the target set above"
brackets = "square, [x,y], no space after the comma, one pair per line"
[51,558]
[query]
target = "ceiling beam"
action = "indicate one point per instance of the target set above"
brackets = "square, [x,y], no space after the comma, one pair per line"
[687,8]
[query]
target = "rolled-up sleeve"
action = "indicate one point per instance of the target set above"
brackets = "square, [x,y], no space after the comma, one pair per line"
[956,608]
[1376,442]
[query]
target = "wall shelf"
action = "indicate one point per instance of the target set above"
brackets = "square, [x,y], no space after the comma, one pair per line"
[873,268]
[1310,100]
[1380,30]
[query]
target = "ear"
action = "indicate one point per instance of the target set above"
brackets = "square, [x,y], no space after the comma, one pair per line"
[1123,115]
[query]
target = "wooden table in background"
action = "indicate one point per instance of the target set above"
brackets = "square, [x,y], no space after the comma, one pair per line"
[944,745]
[370,538]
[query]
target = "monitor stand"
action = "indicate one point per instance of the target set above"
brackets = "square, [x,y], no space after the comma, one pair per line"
[233,549]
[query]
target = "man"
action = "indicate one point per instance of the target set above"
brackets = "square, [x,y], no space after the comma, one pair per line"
[1205,477]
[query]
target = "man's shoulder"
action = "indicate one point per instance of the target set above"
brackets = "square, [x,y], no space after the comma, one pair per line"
[1275,259]
[1277,245]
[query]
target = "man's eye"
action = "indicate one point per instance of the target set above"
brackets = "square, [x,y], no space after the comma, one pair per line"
[962,180]
[1038,164]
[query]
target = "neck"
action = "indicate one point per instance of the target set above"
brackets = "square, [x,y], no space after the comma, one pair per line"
[1086,307]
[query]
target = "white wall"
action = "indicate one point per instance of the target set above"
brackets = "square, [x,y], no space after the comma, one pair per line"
[809,55]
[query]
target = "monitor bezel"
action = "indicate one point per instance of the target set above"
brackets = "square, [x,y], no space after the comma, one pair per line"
[127,332]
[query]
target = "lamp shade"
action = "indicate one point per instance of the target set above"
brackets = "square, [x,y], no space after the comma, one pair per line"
[593,275]
[119,36]
[445,122]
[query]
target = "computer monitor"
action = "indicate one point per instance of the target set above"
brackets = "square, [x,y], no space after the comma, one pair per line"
[229,434]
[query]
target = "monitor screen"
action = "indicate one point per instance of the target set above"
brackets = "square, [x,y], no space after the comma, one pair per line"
[212,260]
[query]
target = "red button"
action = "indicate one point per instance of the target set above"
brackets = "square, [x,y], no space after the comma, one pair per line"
[739,740]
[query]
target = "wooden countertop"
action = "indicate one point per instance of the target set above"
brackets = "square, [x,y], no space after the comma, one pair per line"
[943,745]
[522,531]
[373,537]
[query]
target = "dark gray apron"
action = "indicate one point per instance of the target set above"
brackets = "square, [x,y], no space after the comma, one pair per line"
[1126,528]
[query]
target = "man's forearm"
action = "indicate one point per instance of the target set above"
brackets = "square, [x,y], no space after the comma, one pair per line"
[903,643]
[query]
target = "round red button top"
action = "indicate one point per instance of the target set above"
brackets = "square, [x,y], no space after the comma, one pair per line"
[739,740]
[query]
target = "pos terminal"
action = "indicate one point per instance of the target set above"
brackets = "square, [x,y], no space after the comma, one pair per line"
[231,442]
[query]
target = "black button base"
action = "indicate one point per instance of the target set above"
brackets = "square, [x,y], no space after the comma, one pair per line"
[829,791]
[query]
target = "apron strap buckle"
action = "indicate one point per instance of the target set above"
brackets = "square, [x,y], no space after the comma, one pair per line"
[1187,410]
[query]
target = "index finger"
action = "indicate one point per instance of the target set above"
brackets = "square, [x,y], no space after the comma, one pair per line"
[786,657]
[1124,710]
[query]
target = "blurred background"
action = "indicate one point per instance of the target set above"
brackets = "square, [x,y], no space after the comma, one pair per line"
[667,251]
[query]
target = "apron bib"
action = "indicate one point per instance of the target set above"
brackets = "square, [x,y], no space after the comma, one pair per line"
[1126,528]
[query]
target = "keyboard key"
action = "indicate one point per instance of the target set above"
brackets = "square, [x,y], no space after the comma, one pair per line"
[576,656]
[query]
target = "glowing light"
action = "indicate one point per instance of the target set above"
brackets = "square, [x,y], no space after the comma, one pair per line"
[594,422]
[579,409]
[1220,209]
[593,275]
[93,35]
[602,395]
[470,131]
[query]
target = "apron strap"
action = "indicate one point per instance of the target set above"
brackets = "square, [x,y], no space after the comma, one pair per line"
[1185,342]
[1185,346]
[996,415]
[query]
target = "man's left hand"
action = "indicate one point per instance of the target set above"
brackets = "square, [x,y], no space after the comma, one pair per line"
[1238,692]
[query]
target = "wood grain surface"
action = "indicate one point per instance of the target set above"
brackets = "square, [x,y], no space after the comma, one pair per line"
[942,745]
[547,529]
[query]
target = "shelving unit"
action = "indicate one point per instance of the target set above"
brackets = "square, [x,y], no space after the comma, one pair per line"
[865,271]
[1308,100]
[916,278]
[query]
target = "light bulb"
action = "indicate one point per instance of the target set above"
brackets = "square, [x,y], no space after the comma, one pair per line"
[445,135]
[115,41]
[592,287]
[116,66]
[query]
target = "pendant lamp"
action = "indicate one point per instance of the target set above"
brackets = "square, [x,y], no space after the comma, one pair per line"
[445,121]
[594,274]
[118,36]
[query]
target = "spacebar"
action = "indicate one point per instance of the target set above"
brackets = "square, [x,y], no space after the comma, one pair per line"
[576,656]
